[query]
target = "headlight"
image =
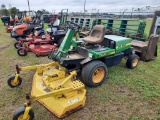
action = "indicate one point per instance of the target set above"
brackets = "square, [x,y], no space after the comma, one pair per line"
[90,55]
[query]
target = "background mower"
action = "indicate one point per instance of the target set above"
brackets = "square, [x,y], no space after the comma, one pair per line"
[53,36]
[24,30]
[40,46]
[12,23]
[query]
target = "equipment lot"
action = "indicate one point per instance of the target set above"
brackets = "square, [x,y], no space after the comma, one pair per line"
[126,94]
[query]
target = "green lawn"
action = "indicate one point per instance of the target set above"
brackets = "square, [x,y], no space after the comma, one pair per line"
[126,94]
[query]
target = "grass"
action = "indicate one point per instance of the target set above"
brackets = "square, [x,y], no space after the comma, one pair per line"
[126,94]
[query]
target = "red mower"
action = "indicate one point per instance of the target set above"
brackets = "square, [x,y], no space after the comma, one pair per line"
[40,49]
[32,40]
[40,46]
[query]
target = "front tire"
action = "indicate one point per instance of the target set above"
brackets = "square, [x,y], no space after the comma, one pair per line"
[17,45]
[22,52]
[94,73]
[18,114]
[132,61]
[11,82]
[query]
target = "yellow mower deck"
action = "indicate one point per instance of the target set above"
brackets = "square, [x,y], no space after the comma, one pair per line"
[61,103]
[55,88]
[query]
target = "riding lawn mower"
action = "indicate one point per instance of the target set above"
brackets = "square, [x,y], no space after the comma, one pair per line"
[55,85]
[41,46]
[27,30]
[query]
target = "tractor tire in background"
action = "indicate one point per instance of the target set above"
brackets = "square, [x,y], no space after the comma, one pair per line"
[11,83]
[22,51]
[94,73]
[18,114]
[132,61]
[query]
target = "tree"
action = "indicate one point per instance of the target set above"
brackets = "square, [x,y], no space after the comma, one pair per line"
[14,10]
[5,12]
[3,6]
[45,11]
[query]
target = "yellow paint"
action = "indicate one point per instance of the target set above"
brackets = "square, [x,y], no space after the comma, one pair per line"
[15,81]
[105,54]
[25,116]
[58,90]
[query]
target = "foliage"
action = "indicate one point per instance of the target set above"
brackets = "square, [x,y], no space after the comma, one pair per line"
[3,6]
[5,12]
[13,10]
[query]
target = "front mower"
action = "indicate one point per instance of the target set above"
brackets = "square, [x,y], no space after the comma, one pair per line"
[54,87]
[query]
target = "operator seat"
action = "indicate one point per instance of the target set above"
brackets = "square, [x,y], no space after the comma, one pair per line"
[39,27]
[96,35]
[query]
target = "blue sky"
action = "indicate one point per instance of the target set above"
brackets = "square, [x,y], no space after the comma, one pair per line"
[77,5]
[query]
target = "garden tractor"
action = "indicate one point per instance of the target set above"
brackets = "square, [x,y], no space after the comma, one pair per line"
[55,85]
[92,55]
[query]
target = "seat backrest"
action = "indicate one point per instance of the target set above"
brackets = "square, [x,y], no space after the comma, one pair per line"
[96,35]
[152,48]
[42,24]
[98,31]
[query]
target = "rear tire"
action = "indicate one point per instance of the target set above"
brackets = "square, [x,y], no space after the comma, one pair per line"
[18,114]
[22,52]
[132,61]
[94,73]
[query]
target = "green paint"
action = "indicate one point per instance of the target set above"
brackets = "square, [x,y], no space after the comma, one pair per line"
[122,43]
[66,41]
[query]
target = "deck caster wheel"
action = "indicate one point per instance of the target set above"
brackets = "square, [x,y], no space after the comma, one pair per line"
[18,114]
[13,84]
[132,61]
[17,45]
[94,73]
[22,52]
